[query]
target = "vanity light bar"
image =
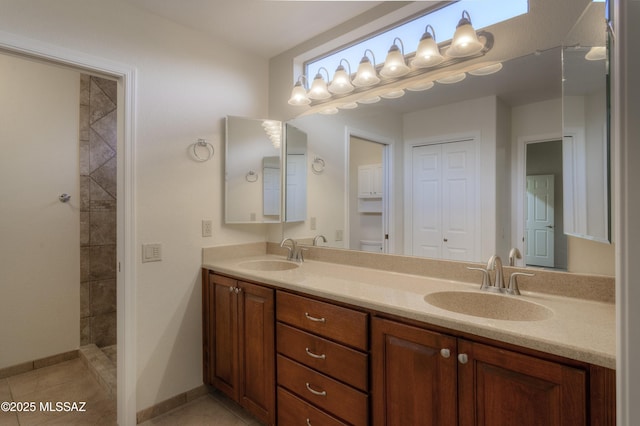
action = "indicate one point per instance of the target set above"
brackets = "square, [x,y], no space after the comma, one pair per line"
[370,81]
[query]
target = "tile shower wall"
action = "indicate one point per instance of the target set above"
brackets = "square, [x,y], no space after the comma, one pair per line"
[98,130]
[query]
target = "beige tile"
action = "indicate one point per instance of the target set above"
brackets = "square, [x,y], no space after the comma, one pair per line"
[45,378]
[80,389]
[85,89]
[105,176]
[9,419]
[107,128]
[102,262]
[109,87]
[99,151]
[16,369]
[85,331]
[205,410]
[55,359]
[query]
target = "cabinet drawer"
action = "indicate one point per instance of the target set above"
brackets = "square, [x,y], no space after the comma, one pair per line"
[293,411]
[343,325]
[324,392]
[333,359]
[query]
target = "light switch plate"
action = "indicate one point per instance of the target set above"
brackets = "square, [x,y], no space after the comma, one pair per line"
[339,235]
[312,223]
[151,252]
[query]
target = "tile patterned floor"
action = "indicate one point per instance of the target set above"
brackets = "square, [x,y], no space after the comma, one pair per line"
[71,381]
[68,381]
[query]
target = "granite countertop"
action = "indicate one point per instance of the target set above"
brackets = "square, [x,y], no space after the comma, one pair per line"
[579,329]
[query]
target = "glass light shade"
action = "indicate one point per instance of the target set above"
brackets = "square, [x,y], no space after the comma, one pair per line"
[329,111]
[394,65]
[349,105]
[465,40]
[428,53]
[299,96]
[341,83]
[394,94]
[418,87]
[371,100]
[596,53]
[366,75]
[318,89]
[452,78]
[486,70]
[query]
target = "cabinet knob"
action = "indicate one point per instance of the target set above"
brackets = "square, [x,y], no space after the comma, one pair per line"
[445,240]
[315,392]
[463,358]
[446,353]
[310,318]
[230,289]
[238,290]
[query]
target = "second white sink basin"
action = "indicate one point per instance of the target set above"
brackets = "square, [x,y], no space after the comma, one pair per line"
[268,265]
[489,305]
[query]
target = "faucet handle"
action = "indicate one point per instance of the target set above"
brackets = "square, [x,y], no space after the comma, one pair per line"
[513,283]
[486,278]
[299,256]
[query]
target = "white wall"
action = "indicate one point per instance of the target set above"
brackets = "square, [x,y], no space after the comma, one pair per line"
[184,90]
[462,119]
[40,236]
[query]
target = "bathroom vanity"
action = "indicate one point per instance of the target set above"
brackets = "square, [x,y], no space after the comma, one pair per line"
[324,343]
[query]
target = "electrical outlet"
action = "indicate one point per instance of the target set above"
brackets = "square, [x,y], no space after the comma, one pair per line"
[312,223]
[151,252]
[207,228]
[339,235]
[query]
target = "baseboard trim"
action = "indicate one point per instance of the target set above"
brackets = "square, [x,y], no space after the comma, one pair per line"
[170,404]
[37,363]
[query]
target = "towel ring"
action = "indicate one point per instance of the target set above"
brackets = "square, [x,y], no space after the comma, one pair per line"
[317,165]
[251,176]
[203,143]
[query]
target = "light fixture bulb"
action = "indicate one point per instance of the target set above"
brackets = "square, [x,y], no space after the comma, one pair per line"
[318,90]
[366,75]
[465,40]
[341,83]
[394,65]
[348,105]
[370,100]
[329,111]
[299,95]
[428,53]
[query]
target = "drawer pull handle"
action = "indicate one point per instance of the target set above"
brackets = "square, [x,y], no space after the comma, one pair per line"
[308,422]
[309,317]
[312,355]
[315,392]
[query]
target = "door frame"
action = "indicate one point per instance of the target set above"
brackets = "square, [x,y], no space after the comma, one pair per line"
[388,244]
[519,190]
[408,186]
[125,252]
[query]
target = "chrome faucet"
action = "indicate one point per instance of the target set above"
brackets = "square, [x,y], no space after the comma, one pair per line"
[295,251]
[514,254]
[319,237]
[495,263]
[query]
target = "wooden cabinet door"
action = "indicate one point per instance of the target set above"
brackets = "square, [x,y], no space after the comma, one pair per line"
[224,335]
[497,387]
[256,327]
[413,376]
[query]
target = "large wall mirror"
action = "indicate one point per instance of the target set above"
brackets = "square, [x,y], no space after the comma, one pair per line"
[586,135]
[498,130]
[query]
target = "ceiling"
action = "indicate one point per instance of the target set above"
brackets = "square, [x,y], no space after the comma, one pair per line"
[263,27]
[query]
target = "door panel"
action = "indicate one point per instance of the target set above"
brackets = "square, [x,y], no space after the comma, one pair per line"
[539,221]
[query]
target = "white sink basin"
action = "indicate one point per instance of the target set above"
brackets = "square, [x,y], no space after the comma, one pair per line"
[268,265]
[489,305]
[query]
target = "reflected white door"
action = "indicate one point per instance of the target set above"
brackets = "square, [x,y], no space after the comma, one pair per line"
[444,206]
[296,188]
[539,221]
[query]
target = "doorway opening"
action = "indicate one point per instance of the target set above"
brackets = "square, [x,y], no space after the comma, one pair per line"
[545,244]
[368,195]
